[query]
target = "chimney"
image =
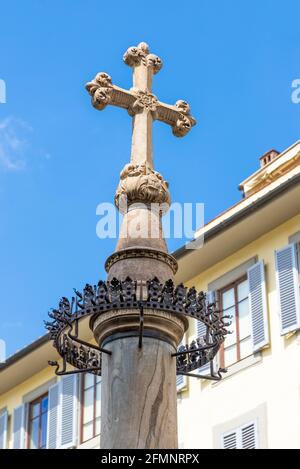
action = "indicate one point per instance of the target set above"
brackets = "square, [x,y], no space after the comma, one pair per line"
[268,157]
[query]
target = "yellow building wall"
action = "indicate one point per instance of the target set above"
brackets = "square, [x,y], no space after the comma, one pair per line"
[14,397]
[274,381]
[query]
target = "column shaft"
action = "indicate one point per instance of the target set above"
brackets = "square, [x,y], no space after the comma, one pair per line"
[139,395]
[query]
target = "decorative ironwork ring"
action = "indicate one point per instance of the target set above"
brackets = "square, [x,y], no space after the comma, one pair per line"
[129,294]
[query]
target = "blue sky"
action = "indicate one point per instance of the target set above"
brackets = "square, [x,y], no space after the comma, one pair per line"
[233,61]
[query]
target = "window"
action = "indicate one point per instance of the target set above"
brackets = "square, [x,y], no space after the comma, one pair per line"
[234,301]
[244,437]
[37,425]
[91,407]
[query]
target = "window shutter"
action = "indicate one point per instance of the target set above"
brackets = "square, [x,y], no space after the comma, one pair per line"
[244,437]
[68,411]
[53,417]
[249,436]
[230,441]
[211,296]
[180,382]
[200,328]
[201,331]
[288,288]
[19,427]
[3,430]
[258,306]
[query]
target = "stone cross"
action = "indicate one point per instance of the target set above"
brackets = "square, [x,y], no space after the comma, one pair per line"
[140,103]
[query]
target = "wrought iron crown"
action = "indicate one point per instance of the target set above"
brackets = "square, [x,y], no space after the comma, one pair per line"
[116,295]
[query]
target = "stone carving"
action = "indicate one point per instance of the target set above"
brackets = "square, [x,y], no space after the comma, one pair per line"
[185,121]
[134,56]
[140,253]
[153,61]
[100,90]
[144,100]
[183,107]
[182,127]
[138,99]
[140,183]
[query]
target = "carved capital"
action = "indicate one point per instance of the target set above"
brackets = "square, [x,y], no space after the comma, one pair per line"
[140,183]
[140,253]
[162,324]
[134,56]
[100,90]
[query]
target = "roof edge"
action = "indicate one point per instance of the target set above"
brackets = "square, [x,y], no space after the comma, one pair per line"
[24,352]
[256,205]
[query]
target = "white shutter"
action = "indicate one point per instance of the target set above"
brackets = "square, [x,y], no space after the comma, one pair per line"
[200,328]
[258,306]
[181,382]
[288,288]
[68,411]
[211,296]
[244,437]
[229,440]
[3,430]
[201,331]
[53,417]
[249,436]
[19,427]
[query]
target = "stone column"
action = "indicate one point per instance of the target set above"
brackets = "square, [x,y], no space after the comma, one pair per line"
[139,399]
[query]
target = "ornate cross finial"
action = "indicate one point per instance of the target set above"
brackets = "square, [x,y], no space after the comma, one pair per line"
[143,106]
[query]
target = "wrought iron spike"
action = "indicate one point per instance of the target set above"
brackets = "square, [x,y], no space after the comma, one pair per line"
[77,293]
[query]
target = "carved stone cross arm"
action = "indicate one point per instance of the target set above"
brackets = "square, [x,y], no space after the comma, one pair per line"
[177,116]
[103,92]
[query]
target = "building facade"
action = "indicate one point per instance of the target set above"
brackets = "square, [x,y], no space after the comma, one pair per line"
[249,264]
